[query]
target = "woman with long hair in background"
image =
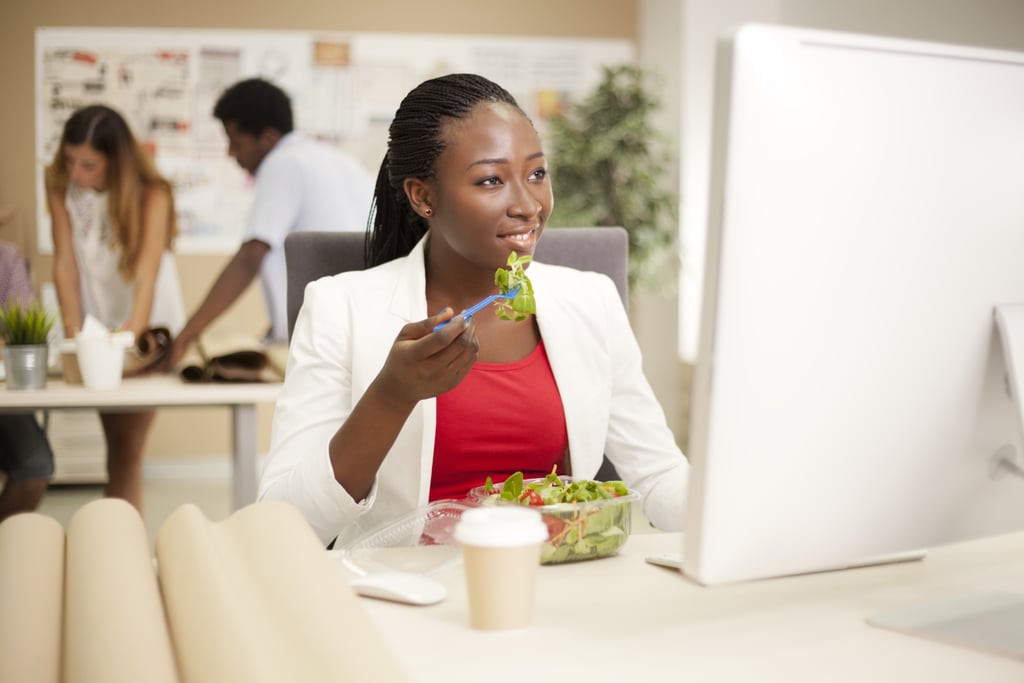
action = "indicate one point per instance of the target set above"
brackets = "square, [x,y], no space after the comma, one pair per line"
[113,226]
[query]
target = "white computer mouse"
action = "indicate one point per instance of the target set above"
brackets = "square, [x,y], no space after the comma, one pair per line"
[407,587]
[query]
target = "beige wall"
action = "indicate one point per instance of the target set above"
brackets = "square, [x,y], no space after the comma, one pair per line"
[677,38]
[203,433]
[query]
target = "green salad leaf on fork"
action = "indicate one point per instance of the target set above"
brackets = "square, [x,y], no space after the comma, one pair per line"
[507,279]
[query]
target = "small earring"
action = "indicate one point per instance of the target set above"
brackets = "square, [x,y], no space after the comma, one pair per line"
[428,212]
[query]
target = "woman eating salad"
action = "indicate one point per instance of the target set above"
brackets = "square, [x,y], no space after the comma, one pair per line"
[392,398]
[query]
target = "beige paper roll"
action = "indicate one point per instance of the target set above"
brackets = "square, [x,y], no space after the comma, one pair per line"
[256,599]
[31,598]
[114,625]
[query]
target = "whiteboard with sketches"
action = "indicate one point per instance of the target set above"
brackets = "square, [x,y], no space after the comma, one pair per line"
[344,89]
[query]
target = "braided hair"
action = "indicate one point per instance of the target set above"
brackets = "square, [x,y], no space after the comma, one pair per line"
[414,144]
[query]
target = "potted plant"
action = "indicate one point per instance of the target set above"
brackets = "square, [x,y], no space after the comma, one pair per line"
[609,166]
[25,331]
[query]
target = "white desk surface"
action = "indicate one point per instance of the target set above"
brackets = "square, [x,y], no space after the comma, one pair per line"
[153,391]
[166,391]
[622,619]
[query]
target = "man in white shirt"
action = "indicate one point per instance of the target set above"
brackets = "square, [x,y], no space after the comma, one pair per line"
[301,184]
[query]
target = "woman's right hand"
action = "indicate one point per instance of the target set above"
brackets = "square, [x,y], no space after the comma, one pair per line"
[423,363]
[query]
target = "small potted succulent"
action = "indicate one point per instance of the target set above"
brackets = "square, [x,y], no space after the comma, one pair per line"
[25,330]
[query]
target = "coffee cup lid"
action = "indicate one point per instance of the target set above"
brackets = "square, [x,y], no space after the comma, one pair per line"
[501,525]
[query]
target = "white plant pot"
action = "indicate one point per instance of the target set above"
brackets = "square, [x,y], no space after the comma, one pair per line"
[101,360]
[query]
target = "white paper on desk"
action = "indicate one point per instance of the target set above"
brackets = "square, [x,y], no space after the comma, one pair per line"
[94,329]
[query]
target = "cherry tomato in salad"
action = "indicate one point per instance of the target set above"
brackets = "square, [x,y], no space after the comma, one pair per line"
[555,526]
[531,497]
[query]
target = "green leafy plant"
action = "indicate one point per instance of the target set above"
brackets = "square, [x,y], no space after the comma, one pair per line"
[610,166]
[523,303]
[25,325]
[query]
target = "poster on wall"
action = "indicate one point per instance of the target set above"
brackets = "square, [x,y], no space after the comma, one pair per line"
[344,90]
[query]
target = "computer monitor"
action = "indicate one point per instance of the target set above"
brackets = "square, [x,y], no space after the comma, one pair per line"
[851,400]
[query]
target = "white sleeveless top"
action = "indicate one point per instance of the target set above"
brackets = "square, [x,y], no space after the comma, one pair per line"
[104,293]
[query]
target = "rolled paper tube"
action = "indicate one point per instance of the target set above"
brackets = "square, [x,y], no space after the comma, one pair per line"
[256,599]
[31,598]
[115,629]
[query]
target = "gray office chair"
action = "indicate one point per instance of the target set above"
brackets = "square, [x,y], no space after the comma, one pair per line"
[311,254]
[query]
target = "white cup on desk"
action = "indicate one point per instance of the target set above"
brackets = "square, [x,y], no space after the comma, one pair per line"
[501,553]
[101,358]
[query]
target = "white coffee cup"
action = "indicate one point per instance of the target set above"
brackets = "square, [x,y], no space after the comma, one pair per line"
[501,553]
[101,360]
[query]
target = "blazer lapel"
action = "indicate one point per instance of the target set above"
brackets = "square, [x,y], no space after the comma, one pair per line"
[578,362]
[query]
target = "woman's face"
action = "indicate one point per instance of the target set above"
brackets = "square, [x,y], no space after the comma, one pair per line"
[87,168]
[491,194]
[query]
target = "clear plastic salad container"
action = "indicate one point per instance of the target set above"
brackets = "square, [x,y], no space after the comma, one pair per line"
[422,541]
[576,530]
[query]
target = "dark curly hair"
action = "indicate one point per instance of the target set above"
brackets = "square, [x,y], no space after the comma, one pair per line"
[255,104]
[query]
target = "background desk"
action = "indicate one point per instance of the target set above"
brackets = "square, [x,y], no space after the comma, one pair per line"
[621,619]
[163,391]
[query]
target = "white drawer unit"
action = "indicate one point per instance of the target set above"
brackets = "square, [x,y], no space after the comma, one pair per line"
[79,447]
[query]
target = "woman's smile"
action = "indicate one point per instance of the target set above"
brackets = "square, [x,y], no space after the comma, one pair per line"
[520,240]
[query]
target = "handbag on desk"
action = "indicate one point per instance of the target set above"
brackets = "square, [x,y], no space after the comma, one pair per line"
[148,353]
[234,358]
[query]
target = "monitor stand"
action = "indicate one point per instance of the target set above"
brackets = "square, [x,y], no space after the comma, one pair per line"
[675,560]
[1010,323]
[889,558]
[990,622]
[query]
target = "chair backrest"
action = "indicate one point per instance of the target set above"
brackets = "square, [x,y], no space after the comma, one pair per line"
[311,254]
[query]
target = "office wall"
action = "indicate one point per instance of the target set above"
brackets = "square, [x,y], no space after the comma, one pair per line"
[676,39]
[204,433]
[985,23]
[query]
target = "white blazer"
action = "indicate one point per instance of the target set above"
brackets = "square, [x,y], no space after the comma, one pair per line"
[344,331]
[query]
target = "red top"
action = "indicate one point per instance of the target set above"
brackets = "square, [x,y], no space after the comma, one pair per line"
[502,418]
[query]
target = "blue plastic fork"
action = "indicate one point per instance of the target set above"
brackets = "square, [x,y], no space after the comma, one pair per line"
[475,308]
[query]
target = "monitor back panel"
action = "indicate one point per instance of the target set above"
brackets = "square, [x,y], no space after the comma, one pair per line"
[867,212]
